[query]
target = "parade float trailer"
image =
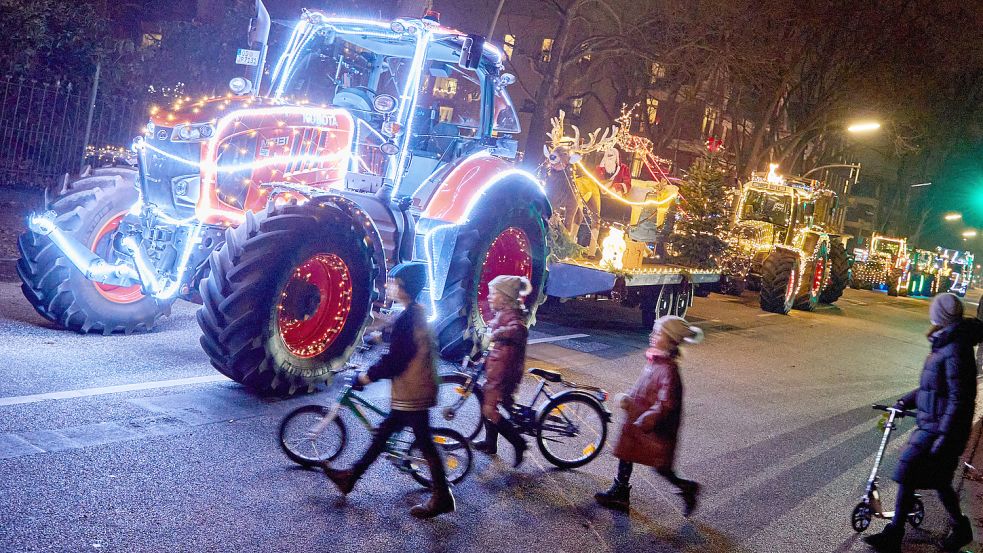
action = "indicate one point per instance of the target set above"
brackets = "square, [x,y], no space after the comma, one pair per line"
[375,143]
[628,264]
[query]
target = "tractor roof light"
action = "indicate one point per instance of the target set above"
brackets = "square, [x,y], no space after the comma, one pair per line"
[240,86]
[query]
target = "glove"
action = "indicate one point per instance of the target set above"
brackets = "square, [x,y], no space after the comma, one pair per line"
[645,422]
[623,401]
[938,445]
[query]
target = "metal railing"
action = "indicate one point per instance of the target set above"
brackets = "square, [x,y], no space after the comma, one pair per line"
[42,127]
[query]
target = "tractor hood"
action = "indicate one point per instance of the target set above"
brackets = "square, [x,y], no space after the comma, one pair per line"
[754,235]
[215,157]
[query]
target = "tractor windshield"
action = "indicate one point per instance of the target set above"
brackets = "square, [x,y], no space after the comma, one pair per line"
[887,247]
[768,207]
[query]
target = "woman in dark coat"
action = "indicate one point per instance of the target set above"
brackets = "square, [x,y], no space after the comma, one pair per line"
[653,414]
[506,361]
[945,401]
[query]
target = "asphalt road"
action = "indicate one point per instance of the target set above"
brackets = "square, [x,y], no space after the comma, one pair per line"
[133,443]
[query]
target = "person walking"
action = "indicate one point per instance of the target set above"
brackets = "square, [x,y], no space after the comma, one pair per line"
[411,365]
[653,415]
[505,363]
[945,401]
[979,349]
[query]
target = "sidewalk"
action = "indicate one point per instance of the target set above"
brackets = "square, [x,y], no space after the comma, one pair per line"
[15,204]
[971,483]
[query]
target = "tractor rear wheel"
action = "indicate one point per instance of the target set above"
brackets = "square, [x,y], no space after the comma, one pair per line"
[839,273]
[511,240]
[779,281]
[288,295]
[90,210]
[813,278]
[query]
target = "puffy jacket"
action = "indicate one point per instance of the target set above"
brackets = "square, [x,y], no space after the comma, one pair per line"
[653,414]
[945,401]
[411,362]
[506,357]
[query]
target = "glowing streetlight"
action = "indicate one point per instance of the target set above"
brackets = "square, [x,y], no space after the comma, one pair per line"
[953,216]
[969,234]
[865,126]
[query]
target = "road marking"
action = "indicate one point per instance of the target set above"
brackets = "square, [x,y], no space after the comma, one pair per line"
[556,338]
[767,314]
[87,392]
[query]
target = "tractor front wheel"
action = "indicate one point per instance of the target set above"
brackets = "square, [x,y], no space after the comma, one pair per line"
[839,273]
[288,295]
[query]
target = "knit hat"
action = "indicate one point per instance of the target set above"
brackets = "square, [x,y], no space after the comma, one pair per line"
[678,330]
[511,286]
[946,309]
[412,275]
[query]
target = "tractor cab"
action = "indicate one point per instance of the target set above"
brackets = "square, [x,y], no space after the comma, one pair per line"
[773,206]
[422,96]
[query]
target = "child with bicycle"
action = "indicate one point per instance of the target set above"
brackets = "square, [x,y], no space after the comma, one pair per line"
[653,413]
[505,363]
[411,365]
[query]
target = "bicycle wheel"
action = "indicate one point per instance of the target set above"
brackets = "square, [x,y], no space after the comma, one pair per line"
[917,514]
[860,518]
[571,430]
[465,417]
[455,451]
[309,439]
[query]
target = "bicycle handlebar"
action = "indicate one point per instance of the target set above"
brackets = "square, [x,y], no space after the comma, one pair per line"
[900,413]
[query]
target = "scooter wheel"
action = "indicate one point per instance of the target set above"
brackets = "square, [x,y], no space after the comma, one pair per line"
[861,516]
[917,514]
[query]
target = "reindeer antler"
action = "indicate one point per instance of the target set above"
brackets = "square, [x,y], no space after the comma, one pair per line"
[597,142]
[556,133]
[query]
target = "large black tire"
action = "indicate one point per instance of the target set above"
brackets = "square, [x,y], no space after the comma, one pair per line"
[893,284]
[732,286]
[839,273]
[61,293]
[255,282]
[459,321]
[778,272]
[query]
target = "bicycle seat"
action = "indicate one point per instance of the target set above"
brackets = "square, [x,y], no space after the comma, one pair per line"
[547,375]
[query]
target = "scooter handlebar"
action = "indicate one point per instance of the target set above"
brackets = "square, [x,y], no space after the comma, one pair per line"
[899,412]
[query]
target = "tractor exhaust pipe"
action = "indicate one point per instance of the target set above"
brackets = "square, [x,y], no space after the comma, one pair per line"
[259,38]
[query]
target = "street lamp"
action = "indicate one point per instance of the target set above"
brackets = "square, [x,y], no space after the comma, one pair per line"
[969,234]
[864,126]
[953,216]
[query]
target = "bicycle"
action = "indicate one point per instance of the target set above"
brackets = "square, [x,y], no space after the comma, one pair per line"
[570,427]
[313,434]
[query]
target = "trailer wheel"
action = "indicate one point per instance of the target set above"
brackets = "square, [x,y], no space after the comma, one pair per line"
[288,295]
[839,273]
[90,210]
[511,240]
[779,281]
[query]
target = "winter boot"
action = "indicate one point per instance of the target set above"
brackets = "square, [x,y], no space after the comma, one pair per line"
[888,541]
[509,432]
[490,444]
[617,497]
[690,492]
[440,503]
[344,479]
[961,534]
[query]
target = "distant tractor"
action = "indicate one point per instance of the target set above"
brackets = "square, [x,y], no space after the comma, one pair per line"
[784,244]
[885,266]
[376,143]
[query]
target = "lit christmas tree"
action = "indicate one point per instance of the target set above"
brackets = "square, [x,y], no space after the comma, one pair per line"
[701,231]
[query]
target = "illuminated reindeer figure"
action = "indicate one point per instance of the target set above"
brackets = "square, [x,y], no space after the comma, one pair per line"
[576,197]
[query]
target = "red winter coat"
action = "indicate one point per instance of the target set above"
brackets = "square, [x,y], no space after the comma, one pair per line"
[620,181]
[653,415]
[506,361]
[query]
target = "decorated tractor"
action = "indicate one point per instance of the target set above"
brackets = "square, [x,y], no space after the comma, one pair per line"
[782,244]
[941,271]
[885,266]
[375,143]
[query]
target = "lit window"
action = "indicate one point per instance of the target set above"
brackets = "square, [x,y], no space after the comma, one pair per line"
[576,106]
[547,49]
[652,109]
[508,45]
[444,87]
[656,71]
[446,113]
[710,116]
[151,40]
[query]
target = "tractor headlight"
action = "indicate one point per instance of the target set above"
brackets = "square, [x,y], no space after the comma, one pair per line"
[192,132]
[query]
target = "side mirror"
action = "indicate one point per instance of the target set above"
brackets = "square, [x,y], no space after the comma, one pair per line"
[471,51]
[505,80]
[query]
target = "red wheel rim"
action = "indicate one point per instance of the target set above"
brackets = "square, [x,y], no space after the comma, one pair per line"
[102,245]
[509,254]
[817,276]
[322,285]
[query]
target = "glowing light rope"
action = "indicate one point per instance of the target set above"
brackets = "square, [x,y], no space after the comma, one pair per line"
[606,189]
[406,107]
